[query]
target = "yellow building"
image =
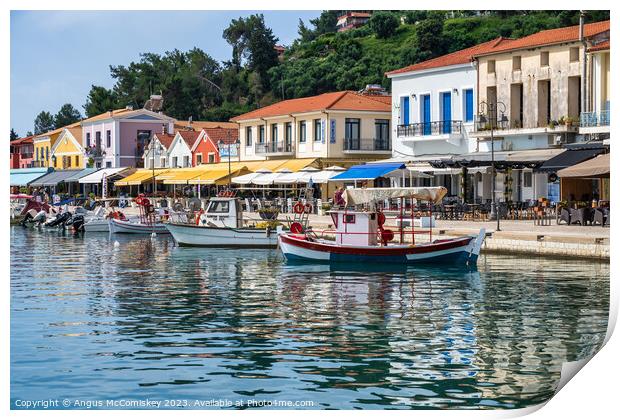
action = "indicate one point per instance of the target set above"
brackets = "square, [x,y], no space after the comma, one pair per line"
[67,152]
[43,145]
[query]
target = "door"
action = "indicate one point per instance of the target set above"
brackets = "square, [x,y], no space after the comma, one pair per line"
[426,114]
[405,115]
[446,105]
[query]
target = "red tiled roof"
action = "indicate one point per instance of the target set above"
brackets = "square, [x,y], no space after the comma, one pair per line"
[189,136]
[199,125]
[355,14]
[226,135]
[601,46]
[23,140]
[165,139]
[550,37]
[343,100]
[458,57]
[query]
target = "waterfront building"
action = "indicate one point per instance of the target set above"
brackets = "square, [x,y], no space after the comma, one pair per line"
[157,151]
[340,128]
[67,152]
[180,151]
[595,121]
[352,20]
[215,143]
[21,152]
[118,138]
[43,144]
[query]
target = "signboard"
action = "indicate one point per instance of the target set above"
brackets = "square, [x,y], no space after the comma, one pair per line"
[104,186]
[223,150]
[332,131]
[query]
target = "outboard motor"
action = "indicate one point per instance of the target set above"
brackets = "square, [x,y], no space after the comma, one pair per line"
[75,222]
[59,220]
[40,217]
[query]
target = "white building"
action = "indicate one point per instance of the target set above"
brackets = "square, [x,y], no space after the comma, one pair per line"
[180,151]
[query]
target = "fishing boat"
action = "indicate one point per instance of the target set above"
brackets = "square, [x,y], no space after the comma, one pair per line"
[146,223]
[221,225]
[360,235]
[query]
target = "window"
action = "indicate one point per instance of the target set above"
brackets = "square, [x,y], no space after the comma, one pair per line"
[108,138]
[211,157]
[544,58]
[469,105]
[352,128]
[185,161]
[198,158]
[527,180]
[37,154]
[516,62]
[574,54]
[47,153]
[175,161]
[98,139]
[87,139]
[67,161]
[274,133]
[248,136]
[163,162]
[288,133]
[318,133]
[77,161]
[142,137]
[382,129]
[261,134]
[302,131]
[491,66]
[218,207]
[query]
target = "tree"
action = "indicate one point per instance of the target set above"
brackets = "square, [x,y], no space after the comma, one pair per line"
[326,22]
[384,24]
[14,135]
[305,33]
[430,37]
[29,133]
[43,123]
[100,100]
[66,115]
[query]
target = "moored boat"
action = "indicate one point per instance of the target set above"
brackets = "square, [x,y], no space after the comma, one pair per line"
[221,225]
[360,235]
[146,223]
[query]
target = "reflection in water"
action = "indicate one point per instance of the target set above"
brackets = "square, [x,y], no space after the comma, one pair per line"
[96,317]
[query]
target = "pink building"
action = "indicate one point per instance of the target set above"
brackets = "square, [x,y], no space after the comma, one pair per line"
[118,138]
[21,153]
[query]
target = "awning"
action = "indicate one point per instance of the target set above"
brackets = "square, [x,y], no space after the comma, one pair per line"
[245,179]
[80,174]
[569,158]
[595,167]
[368,171]
[97,177]
[22,177]
[54,178]
[535,155]
[355,196]
[210,177]
[140,176]
[321,177]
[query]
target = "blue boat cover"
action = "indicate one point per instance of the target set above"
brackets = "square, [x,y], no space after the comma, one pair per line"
[368,171]
[23,177]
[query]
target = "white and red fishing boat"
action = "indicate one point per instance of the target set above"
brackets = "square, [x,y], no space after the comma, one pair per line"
[359,235]
[146,223]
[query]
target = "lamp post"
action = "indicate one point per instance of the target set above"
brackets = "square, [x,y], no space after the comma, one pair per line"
[491,109]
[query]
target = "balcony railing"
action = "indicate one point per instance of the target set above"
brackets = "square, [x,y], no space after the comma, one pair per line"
[594,119]
[431,128]
[275,147]
[483,123]
[366,145]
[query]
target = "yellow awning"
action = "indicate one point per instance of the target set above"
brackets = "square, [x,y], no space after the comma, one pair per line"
[140,176]
[295,165]
[201,174]
[218,177]
[292,165]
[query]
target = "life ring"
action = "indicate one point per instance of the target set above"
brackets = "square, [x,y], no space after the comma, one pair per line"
[138,200]
[298,208]
[297,228]
[308,208]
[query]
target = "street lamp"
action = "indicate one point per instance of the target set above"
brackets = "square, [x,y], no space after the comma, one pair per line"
[491,109]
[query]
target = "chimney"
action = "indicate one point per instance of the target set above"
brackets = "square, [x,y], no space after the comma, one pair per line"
[110,112]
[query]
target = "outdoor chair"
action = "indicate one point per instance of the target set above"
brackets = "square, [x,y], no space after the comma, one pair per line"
[583,216]
[601,216]
[564,216]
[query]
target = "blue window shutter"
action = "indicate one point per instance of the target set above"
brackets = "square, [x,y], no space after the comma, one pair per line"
[406,110]
[469,105]
[426,114]
[447,112]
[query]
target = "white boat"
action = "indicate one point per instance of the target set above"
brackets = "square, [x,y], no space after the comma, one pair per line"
[98,221]
[220,226]
[136,226]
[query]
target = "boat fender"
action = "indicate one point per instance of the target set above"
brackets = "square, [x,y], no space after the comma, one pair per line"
[381,219]
[298,208]
[199,216]
[268,231]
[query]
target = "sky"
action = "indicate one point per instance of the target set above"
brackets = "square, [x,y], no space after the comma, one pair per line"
[57,55]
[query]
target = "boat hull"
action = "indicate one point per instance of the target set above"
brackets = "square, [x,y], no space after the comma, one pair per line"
[463,250]
[98,225]
[124,226]
[206,236]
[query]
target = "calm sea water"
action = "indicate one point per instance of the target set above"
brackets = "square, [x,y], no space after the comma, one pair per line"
[94,321]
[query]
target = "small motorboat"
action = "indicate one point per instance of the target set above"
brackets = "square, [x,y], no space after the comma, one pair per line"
[221,225]
[360,235]
[146,223]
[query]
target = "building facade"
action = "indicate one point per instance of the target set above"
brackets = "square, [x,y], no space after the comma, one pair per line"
[68,152]
[339,127]
[21,153]
[595,120]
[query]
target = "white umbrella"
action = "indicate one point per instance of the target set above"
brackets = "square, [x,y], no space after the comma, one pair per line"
[248,178]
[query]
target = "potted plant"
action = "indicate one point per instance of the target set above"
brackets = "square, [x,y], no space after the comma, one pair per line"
[324,208]
[552,124]
[269,213]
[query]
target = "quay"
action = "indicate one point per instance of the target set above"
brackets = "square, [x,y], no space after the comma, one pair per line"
[515,237]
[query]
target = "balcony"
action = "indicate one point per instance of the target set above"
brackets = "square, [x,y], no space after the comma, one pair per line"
[594,122]
[95,152]
[360,146]
[502,127]
[275,149]
[432,128]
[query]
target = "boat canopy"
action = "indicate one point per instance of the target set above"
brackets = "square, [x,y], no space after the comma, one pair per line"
[355,196]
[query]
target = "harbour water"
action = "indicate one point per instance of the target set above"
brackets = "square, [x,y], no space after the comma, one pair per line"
[100,318]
